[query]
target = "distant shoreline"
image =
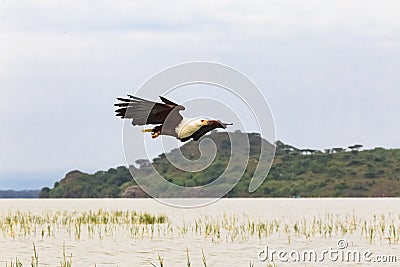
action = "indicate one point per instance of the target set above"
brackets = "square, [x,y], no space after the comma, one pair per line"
[25,193]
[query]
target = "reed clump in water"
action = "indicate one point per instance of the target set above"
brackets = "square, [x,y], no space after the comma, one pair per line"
[226,228]
[204,261]
[65,261]
[99,223]
[241,228]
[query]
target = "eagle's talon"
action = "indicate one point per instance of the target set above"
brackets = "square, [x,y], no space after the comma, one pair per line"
[155,135]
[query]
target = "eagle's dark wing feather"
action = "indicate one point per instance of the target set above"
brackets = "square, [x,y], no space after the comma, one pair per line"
[166,101]
[212,124]
[144,112]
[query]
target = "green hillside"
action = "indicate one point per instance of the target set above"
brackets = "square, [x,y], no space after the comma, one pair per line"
[335,172]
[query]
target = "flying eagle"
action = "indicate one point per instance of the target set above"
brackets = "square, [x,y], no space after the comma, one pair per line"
[166,117]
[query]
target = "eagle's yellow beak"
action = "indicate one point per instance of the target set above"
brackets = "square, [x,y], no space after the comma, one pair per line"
[204,122]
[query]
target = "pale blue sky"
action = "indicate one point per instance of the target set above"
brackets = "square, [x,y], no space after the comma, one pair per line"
[329,70]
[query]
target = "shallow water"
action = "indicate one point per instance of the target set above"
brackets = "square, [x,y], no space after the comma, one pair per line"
[118,248]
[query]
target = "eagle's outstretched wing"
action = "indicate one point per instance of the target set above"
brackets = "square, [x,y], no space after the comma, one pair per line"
[144,112]
[212,124]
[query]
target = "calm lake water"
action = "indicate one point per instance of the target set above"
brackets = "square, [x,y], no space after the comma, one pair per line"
[225,248]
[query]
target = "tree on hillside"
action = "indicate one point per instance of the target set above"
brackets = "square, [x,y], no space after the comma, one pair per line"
[143,163]
[338,150]
[355,147]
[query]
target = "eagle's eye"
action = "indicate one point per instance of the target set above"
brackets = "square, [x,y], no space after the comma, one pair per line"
[204,122]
